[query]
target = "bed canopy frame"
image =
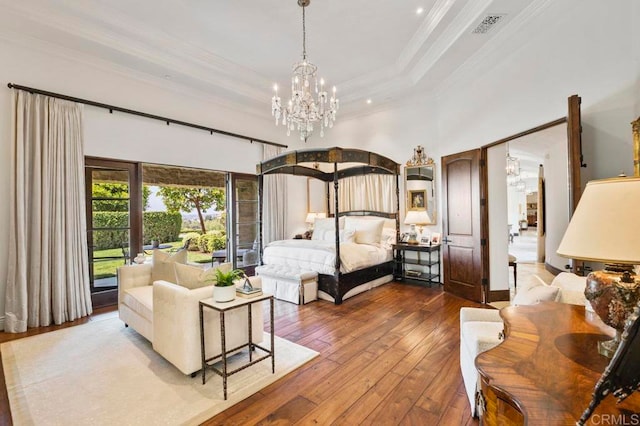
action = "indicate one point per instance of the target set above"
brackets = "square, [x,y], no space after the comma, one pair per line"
[344,162]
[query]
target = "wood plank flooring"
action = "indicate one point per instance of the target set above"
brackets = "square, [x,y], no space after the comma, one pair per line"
[387,356]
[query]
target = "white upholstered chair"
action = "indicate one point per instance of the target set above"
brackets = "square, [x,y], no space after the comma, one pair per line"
[482,329]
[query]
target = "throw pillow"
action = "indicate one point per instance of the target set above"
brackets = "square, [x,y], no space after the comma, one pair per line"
[162,268]
[368,231]
[533,295]
[193,277]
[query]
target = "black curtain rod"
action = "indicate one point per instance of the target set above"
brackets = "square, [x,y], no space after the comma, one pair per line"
[112,108]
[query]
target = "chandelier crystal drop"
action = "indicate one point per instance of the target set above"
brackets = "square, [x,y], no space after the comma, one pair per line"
[309,102]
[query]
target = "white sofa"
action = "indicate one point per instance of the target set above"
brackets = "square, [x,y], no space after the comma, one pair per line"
[167,315]
[482,329]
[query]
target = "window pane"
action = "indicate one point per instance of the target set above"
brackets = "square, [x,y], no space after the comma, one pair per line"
[181,203]
[110,214]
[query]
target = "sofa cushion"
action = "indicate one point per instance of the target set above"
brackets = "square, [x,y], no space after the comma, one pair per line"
[163,265]
[533,295]
[193,277]
[140,300]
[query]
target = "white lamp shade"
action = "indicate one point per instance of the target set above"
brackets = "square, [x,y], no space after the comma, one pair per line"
[604,227]
[312,216]
[417,217]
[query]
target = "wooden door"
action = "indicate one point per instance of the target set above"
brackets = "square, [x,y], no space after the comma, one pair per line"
[462,265]
[574,147]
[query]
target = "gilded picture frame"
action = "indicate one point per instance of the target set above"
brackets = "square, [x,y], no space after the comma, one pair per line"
[416,199]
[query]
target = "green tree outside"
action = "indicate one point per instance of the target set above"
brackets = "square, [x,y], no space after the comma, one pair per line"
[178,199]
[116,190]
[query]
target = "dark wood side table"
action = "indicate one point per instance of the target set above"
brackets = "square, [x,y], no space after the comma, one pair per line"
[426,260]
[222,308]
[545,371]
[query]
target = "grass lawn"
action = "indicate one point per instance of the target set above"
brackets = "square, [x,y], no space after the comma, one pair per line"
[107,268]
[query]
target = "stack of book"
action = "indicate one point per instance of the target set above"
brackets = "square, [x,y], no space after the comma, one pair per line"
[254,292]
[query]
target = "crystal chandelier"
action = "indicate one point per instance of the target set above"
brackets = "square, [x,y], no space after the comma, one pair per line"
[309,101]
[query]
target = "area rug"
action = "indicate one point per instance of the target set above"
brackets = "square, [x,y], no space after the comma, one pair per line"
[104,373]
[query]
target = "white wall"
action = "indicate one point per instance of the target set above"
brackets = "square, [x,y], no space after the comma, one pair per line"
[575,47]
[556,177]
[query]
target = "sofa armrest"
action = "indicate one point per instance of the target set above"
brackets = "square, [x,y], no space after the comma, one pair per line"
[130,276]
[176,325]
[479,314]
[176,332]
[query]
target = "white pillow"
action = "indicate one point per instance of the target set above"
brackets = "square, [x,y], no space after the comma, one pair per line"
[533,295]
[324,229]
[368,231]
[345,235]
[162,268]
[328,222]
[193,277]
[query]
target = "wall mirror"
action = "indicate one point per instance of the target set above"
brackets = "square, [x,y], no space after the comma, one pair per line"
[420,190]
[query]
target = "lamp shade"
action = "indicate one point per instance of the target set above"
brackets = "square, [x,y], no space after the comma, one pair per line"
[604,227]
[312,216]
[417,217]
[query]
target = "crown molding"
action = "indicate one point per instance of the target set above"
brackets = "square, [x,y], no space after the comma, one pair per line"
[258,110]
[454,31]
[118,32]
[429,24]
[377,81]
[494,49]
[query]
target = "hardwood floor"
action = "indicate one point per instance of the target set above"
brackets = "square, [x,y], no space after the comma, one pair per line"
[387,356]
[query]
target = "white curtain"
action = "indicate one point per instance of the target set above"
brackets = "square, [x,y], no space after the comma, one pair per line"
[48,276]
[274,204]
[368,192]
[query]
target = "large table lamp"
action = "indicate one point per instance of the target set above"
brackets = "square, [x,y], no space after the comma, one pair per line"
[413,218]
[604,228]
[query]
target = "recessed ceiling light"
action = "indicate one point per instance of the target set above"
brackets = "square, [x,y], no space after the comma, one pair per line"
[368,101]
[419,11]
[167,76]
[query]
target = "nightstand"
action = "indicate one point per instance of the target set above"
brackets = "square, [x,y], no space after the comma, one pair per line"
[422,265]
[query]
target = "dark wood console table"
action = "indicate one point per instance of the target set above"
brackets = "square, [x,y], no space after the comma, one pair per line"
[545,371]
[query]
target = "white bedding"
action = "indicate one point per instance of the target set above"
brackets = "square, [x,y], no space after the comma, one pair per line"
[319,256]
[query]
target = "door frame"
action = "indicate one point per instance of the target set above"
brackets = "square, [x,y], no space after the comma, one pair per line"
[575,157]
[110,297]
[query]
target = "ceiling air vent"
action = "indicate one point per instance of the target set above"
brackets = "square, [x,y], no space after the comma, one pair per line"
[487,23]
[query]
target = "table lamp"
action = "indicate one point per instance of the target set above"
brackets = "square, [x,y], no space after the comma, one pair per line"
[413,218]
[311,218]
[604,228]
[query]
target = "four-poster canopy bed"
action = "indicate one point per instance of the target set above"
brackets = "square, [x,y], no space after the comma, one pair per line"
[332,165]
